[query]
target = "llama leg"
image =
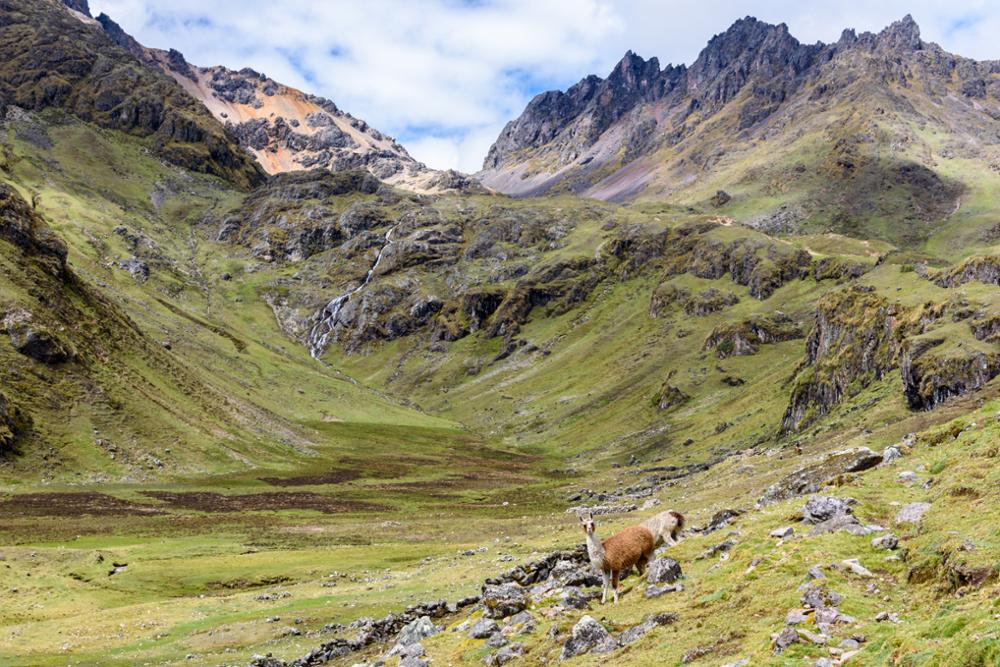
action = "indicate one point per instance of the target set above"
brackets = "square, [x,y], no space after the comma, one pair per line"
[615,583]
[606,585]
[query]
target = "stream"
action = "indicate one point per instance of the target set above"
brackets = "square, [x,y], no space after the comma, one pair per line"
[326,319]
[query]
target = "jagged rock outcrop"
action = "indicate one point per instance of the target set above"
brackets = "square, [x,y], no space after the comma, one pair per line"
[983,269]
[743,338]
[852,343]
[20,225]
[934,370]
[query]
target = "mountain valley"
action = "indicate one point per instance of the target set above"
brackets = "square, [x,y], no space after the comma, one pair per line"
[265,376]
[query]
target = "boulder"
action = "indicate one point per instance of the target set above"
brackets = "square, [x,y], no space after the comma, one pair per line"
[138,269]
[413,632]
[822,508]
[663,571]
[855,567]
[588,636]
[483,628]
[504,600]
[785,638]
[505,655]
[34,340]
[888,542]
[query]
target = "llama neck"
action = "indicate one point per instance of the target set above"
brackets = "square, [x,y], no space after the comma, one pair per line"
[595,550]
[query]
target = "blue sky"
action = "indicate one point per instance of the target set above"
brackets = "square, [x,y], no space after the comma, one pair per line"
[444,76]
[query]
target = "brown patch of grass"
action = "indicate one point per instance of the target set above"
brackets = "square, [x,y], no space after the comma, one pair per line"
[205,501]
[71,504]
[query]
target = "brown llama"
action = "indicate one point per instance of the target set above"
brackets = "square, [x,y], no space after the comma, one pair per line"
[666,527]
[631,547]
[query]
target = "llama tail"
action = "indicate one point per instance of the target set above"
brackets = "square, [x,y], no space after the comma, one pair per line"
[679,526]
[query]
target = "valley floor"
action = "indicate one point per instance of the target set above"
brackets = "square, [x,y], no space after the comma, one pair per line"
[199,573]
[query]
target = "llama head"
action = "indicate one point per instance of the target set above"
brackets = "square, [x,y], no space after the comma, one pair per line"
[587,521]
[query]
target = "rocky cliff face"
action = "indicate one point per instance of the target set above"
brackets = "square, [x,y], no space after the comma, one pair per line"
[852,343]
[647,131]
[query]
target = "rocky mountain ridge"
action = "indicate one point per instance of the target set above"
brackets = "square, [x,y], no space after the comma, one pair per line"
[732,118]
[283,128]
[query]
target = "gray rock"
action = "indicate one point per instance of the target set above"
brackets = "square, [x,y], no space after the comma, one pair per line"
[817,596]
[636,631]
[796,616]
[33,340]
[852,565]
[138,269]
[663,571]
[823,508]
[782,533]
[520,623]
[504,600]
[504,655]
[588,636]
[415,631]
[846,522]
[657,591]
[815,573]
[785,638]
[483,628]
[888,542]
[890,454]
[912,513]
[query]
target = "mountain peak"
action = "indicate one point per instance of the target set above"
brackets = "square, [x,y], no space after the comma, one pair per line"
[902,34]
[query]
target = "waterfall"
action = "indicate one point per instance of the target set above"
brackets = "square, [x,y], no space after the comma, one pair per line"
[326,318]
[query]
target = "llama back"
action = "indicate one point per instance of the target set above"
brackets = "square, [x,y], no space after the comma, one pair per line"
[624,549]
[665,526]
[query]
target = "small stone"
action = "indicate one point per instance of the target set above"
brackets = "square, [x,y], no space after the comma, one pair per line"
[853,565]
[657,591]
[887,542]
[815,573]
[783,533]
[796,616]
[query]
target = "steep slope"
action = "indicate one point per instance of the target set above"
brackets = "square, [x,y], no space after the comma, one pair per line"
[288,130]
[844,137]
[53,59]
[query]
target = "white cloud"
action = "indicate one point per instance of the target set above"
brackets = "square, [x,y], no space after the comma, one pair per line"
[445,75]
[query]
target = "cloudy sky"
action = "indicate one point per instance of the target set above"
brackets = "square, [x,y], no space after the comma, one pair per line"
[443,76]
